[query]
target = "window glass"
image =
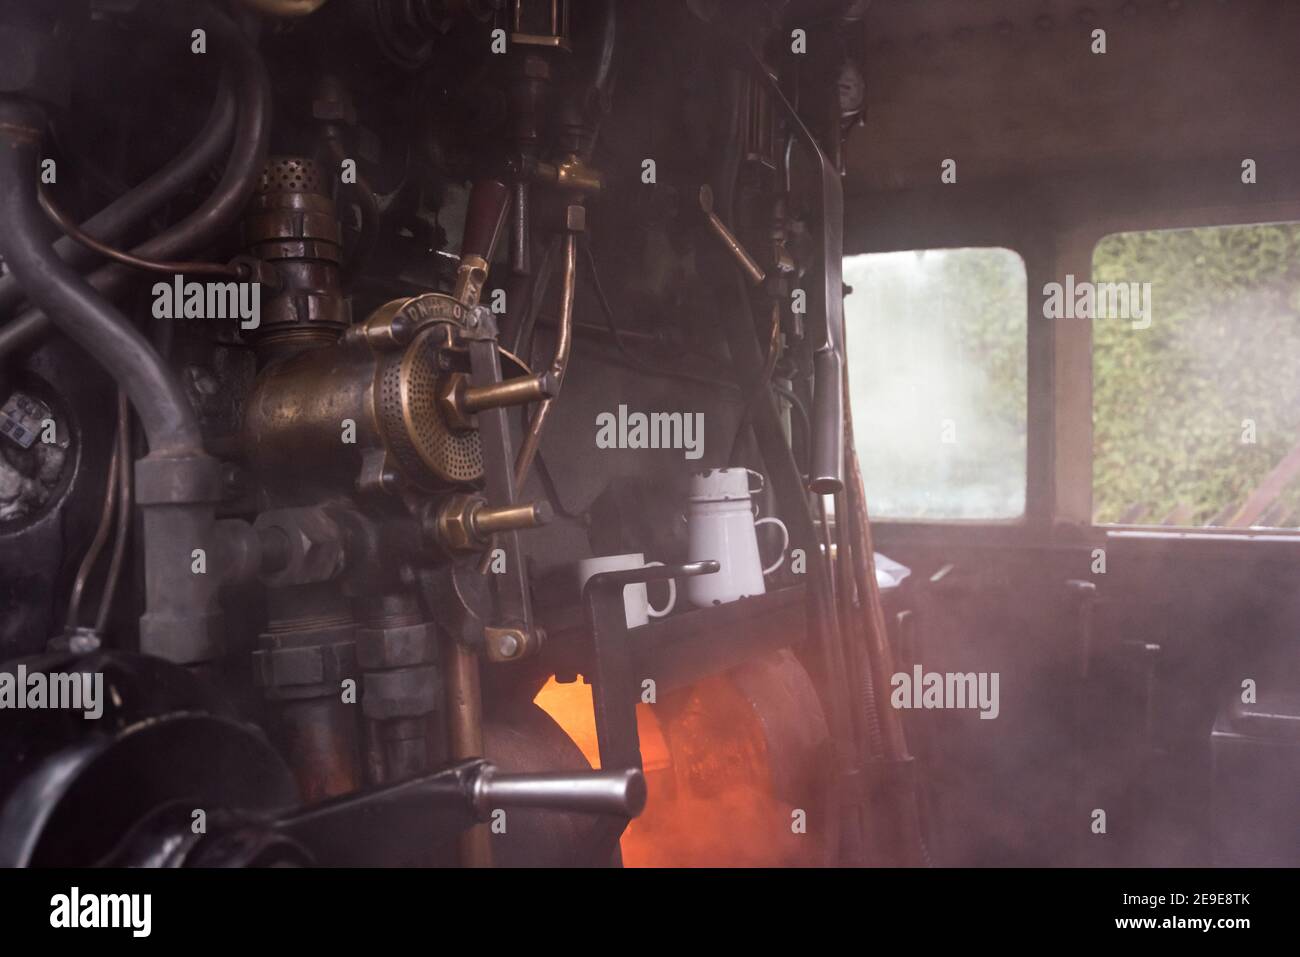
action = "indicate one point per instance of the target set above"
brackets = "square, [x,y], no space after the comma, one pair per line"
[936,343]
[1196,406]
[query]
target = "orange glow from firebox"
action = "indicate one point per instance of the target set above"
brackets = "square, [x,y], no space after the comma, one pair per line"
[707,777]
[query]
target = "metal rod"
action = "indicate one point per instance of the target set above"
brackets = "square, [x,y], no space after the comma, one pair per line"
[465,729]
[559,364]
[512,392]
[733,245]
[488,521]
[620,792]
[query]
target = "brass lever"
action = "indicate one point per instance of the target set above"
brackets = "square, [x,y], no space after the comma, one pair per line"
[466,523]
[742,256]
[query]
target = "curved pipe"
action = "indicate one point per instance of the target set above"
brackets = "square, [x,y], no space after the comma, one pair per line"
[74,232]
[134,207]
[220,210]
[560,363]
[79,310]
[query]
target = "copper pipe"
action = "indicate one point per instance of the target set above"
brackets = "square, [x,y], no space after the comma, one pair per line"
[733,245]
[79,235]
[563,344]
[465,730]
[97,543]
[123,513]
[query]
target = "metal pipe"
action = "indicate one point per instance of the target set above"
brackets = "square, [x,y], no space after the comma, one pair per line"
[465,732]
[220,210]
[559,363]
[74,232]
[52,284]
[136,205]
[179,483]
[827,454]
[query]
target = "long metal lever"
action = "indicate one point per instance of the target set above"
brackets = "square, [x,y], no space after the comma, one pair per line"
[379,826]
[621,793]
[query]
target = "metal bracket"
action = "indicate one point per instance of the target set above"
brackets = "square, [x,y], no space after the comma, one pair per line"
[511,635]
[613,686]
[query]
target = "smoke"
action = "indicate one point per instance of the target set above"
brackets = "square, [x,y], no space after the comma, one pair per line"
[936,357]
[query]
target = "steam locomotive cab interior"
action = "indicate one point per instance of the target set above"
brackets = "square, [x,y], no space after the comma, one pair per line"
[699,433]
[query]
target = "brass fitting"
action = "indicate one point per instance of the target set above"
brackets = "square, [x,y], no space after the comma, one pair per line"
[571,173]
[465,523]
[470,278]
[459,401]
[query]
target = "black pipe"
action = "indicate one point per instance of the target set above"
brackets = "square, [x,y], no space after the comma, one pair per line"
[826,471]
[49,282]
[142,201]
[222,208]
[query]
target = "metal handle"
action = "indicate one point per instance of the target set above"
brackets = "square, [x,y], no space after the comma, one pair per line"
[621,793]
[647,573]
[746,262]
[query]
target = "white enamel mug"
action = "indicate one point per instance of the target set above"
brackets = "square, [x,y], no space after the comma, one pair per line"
[723,529]
[636,600]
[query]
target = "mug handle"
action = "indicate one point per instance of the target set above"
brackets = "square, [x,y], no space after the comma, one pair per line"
[672,596]
[785,542]
[759,476]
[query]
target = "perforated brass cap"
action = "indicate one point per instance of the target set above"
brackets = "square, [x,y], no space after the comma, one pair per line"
[292,215]
[291,174]
[416,433]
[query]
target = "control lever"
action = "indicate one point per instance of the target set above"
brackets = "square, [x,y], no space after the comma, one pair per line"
[621,793]
[747,262]
[383,825]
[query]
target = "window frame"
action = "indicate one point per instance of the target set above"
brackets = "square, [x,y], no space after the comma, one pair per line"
[1074,402]
[988,219]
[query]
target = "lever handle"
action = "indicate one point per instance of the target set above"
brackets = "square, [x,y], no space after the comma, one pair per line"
[648,573]
[489,201]
[484,219]
[621,793]
[747,262]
